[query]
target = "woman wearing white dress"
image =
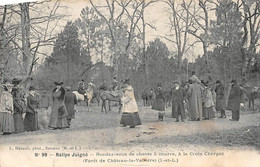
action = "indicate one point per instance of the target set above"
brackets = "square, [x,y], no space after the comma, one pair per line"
[130,116]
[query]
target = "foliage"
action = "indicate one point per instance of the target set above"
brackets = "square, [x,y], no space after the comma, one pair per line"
[68,60]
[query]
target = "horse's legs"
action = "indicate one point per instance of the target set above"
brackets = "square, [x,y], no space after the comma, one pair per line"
[106,105]
[102,105]
[88,105]
[109,106]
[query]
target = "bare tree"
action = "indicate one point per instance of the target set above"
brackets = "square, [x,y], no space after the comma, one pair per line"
[29,26]
[199,12]
[124,22]
[180,23]
[251,26]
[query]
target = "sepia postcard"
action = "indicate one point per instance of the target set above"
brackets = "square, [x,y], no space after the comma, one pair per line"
[167,83]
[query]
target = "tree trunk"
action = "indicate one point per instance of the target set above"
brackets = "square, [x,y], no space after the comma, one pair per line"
[25,29]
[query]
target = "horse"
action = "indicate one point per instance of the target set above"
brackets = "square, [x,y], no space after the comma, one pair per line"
[89,95]
[252,94]
[106,95]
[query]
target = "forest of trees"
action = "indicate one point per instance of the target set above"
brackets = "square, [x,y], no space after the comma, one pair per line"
[109,39]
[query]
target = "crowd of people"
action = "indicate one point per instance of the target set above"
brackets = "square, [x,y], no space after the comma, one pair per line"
[18,111]
[202,99]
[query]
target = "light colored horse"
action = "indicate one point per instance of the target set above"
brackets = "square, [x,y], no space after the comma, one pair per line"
[89,94]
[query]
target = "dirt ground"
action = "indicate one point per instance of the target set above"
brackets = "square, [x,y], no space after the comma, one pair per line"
[98,131]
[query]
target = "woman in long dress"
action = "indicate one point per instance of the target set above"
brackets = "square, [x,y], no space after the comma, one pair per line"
[6,110]
[195,101]
[208,111]
[58,117]
[130,114]
[159,102]
[19,106]
[30,120]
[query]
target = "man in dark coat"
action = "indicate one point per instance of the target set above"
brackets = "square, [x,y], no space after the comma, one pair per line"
[178,97]
[220,99]
[70,100]
[234,100]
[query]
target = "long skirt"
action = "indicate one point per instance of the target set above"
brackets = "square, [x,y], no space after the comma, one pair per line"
[209,113]
[18,123]
[131,119]
[6,123]
[30,122]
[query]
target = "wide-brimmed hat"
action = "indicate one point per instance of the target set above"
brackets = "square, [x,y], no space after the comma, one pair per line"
[58,83]
[233,81]
[159,84]
[31,88]
[16,81]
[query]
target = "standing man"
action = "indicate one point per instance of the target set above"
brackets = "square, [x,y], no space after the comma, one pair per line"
[220,99]
[70,100]
[234,100]
[178,97]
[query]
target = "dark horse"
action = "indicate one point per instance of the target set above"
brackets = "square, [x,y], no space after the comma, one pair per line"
[106,95]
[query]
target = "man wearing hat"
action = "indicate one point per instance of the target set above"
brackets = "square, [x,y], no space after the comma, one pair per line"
[70,100]
[220,100]
[178,98]
[234,100]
